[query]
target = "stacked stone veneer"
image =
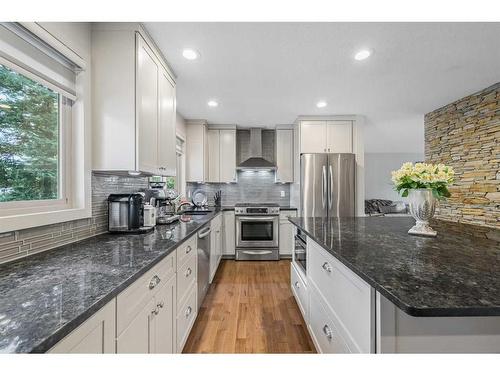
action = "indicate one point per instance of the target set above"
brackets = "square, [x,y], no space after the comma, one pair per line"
[466,135]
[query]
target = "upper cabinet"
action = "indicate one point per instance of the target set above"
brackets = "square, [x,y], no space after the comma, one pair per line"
[325,136]
[284,155]
[210,153]
[134,102]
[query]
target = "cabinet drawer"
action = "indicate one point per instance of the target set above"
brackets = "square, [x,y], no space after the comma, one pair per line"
[325,333]
[186,276]
[185,318]
[132,300]
[299,290]
[185,250]
[349,297]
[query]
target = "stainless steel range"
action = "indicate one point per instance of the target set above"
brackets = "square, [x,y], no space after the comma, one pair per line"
[257,231]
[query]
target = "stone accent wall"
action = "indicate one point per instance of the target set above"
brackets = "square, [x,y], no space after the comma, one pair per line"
[18,244]
[466,135]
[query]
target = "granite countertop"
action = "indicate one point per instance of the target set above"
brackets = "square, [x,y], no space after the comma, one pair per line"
[288,208]
[45,296]
[456,273]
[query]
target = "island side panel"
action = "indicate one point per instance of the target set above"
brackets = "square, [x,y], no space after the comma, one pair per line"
[398,332]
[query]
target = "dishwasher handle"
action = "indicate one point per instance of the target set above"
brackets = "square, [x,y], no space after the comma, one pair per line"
[205,233]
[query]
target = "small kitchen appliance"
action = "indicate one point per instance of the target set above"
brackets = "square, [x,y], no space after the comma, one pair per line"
[126,213]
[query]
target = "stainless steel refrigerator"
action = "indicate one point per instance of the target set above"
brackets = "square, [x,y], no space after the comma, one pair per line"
[327,185]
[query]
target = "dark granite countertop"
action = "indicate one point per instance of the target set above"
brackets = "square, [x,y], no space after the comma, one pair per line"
[456,273]
[288,208]
[45,296]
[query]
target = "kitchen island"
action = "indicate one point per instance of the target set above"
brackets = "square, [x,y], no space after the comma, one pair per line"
[423,294]
[46,296]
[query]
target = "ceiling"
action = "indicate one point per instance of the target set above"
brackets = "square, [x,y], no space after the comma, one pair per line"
[263,74]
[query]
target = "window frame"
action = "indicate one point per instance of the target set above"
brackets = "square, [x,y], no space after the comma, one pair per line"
[75,147]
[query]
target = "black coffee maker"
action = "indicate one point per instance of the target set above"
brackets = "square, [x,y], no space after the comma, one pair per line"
[126,213]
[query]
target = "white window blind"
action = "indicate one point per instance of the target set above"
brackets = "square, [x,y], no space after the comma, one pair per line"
[22,51]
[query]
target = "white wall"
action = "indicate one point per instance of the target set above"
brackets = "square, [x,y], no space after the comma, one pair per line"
[378,167]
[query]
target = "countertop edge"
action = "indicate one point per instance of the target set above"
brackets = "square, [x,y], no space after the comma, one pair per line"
[70,326]
[408,309]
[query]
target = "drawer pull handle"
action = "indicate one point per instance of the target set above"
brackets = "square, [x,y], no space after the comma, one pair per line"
[328,332]
[188,249]
[160,305]
[155,311]
[189,271]
[297,285]
[326,266]
[155,280]
[188,311]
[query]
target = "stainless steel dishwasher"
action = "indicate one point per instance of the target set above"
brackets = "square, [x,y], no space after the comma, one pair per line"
[203,262]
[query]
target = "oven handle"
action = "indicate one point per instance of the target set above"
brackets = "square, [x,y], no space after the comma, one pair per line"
[257,252]
[257,218]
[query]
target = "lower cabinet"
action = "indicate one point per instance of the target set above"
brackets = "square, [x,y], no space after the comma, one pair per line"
[229,233]
[186,315]
[152,329]
[287,232]
[95,335]
[215,245]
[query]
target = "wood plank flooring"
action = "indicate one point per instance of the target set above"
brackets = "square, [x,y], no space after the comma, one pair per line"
[250,308]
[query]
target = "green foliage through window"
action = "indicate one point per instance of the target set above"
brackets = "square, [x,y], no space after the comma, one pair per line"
[29,139]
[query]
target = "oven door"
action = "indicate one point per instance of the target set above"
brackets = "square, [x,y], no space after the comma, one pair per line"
[257,231]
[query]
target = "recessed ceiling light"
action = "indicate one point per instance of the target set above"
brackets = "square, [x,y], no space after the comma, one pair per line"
[212,103]
[363,54]
[321,104]
[190,54]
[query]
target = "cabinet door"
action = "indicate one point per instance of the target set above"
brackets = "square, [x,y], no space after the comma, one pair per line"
[312,137]
[138,337]
[286,238]
[166,127]
[95,335]
[147,107]
[229,233]
[196,143]
[227,155]
[339,136]
[164,322]
[213,156]
[284,155]
[218,236]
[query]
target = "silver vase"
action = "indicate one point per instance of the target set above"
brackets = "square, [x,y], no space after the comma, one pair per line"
[422,207]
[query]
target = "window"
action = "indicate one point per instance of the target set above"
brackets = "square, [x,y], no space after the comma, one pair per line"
[44,160]
[29,139]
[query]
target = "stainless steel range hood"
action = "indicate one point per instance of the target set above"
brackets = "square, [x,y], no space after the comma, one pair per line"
[256,161]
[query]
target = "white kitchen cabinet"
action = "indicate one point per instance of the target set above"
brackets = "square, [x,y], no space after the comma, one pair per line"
[229,233]
[326,136]
[221,155]
[287,233]
[213,156]
[339,136]
[133,107]
[284,155]
[152,329]
[95,335]
[227,155]
[166,128]
[147,106]
[196,151]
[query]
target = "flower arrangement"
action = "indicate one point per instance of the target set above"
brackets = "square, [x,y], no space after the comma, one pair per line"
[436,177]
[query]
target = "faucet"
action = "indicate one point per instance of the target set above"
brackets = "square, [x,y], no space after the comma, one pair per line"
[183,204]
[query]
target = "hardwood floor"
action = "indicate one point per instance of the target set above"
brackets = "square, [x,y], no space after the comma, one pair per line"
[250,308]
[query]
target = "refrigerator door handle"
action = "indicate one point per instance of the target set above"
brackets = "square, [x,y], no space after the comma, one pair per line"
[330,188]
[323,186]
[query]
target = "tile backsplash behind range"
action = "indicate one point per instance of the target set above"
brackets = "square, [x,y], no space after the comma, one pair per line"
[18,244]
[254,187]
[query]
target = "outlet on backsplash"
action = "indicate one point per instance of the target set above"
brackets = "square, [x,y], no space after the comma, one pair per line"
[282,193]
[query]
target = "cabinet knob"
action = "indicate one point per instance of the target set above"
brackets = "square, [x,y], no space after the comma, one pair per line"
[188,311]
[155,311]
[328,332]
[188,272]
[155,280]
[297,285]
[188,249]
[160,305]
[326,266]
